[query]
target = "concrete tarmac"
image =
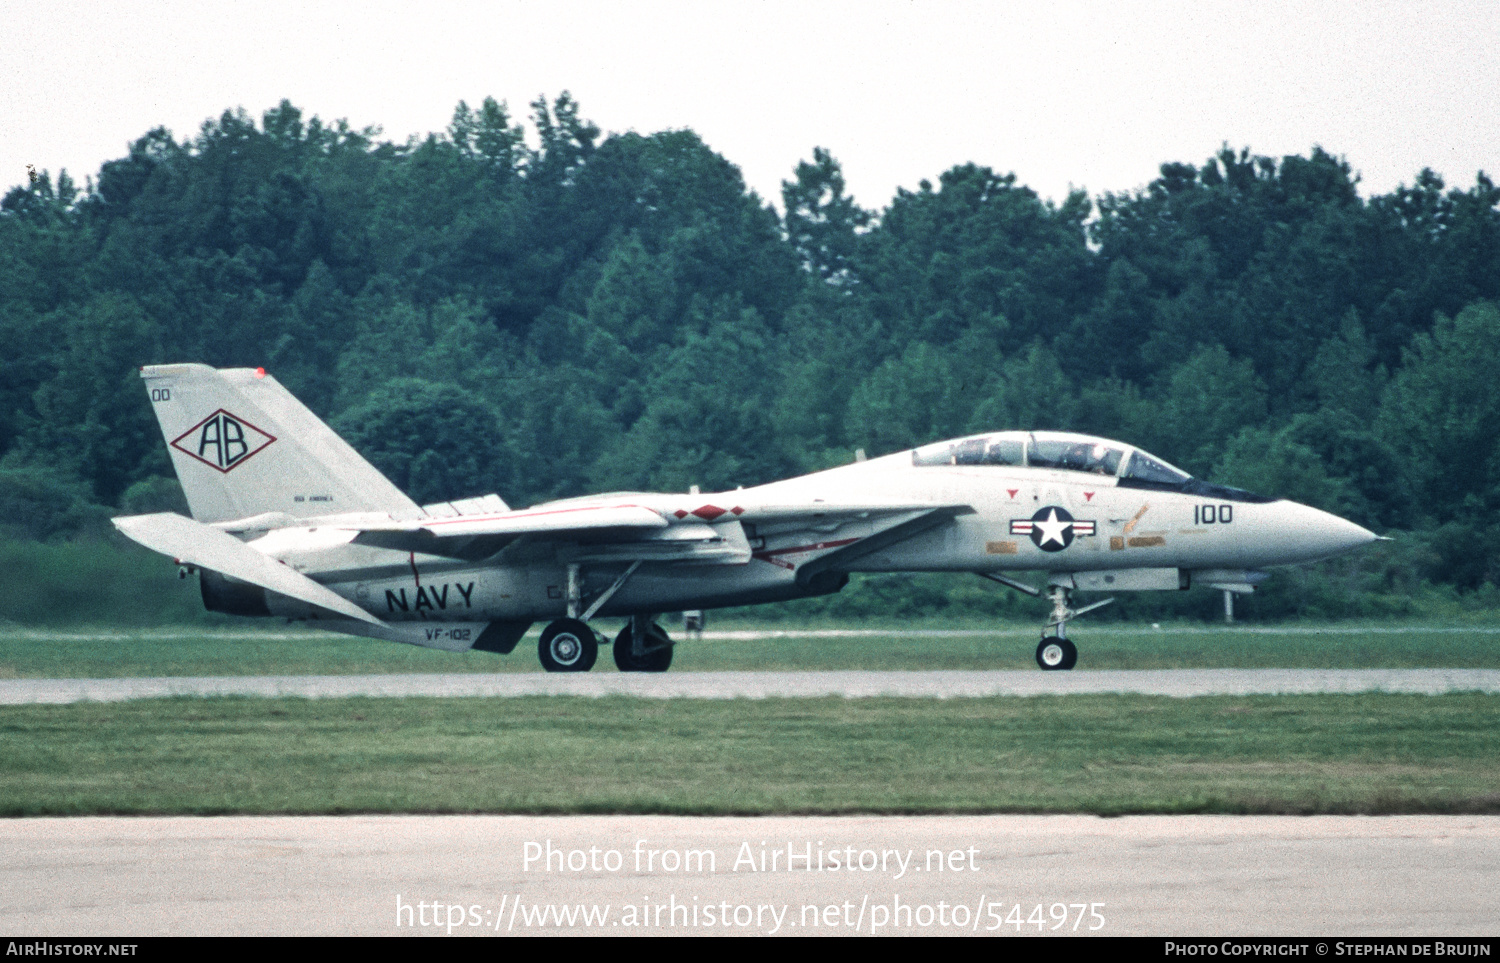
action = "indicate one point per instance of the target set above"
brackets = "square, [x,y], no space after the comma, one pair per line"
[1057,876]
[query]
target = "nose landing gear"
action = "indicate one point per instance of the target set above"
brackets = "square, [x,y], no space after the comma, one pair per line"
[1056,653]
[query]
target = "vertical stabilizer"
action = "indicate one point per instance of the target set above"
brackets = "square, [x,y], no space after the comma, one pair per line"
[242,445]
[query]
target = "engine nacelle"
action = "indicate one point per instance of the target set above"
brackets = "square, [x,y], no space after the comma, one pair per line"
[230,595]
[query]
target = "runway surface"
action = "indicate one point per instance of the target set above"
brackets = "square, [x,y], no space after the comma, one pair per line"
[620,875]
[761,685]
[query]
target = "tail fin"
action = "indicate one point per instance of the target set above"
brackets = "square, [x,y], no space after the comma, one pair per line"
[242,445]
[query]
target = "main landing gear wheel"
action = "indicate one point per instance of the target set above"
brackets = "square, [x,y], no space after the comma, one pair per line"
[568,645]
[1056,654]
[657,656]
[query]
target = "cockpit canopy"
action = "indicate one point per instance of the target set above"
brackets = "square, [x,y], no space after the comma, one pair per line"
[1059,450]
[1051,449]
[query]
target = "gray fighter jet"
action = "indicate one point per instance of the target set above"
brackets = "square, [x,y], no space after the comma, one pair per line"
[288,520]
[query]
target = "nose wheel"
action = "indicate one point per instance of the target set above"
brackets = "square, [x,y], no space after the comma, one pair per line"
[1056,653]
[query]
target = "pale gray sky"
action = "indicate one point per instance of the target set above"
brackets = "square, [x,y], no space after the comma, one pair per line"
[1094,95]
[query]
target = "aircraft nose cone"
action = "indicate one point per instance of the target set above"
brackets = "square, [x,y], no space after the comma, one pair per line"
[1319,534]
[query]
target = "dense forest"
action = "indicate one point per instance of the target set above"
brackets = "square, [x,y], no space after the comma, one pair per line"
[566,312]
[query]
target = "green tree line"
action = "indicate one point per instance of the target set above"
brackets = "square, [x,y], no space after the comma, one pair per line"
[554,311]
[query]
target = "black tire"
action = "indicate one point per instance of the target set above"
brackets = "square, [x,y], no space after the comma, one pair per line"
[1056,655]
[568,645]
[656,658]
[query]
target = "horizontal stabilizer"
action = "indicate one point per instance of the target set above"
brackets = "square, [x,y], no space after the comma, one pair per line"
[206,547]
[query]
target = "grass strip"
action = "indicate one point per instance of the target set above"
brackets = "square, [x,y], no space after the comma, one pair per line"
[1372,753]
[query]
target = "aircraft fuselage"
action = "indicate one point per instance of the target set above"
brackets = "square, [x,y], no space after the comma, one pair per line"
[289,520]
[1021,519]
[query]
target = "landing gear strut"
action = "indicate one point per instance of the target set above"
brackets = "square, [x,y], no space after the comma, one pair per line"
[569,645]
[643,646]
[1056,653]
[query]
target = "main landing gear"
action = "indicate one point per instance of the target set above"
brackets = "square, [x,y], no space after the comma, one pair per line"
[643,646]
[1055,653]
[569,645]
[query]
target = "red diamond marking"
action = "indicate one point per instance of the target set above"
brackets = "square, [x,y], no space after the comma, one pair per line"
[736,510]
[709,512]
[680,513]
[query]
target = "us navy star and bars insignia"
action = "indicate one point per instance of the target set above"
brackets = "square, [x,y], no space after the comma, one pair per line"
[222,441]
[1052,529]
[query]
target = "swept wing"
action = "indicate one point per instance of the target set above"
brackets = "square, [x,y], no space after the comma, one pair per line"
[630,531]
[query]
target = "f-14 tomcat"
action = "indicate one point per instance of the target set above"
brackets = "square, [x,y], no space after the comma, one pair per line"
[288,520]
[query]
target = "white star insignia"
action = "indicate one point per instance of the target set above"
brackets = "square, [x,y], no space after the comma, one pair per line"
[1052,530]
